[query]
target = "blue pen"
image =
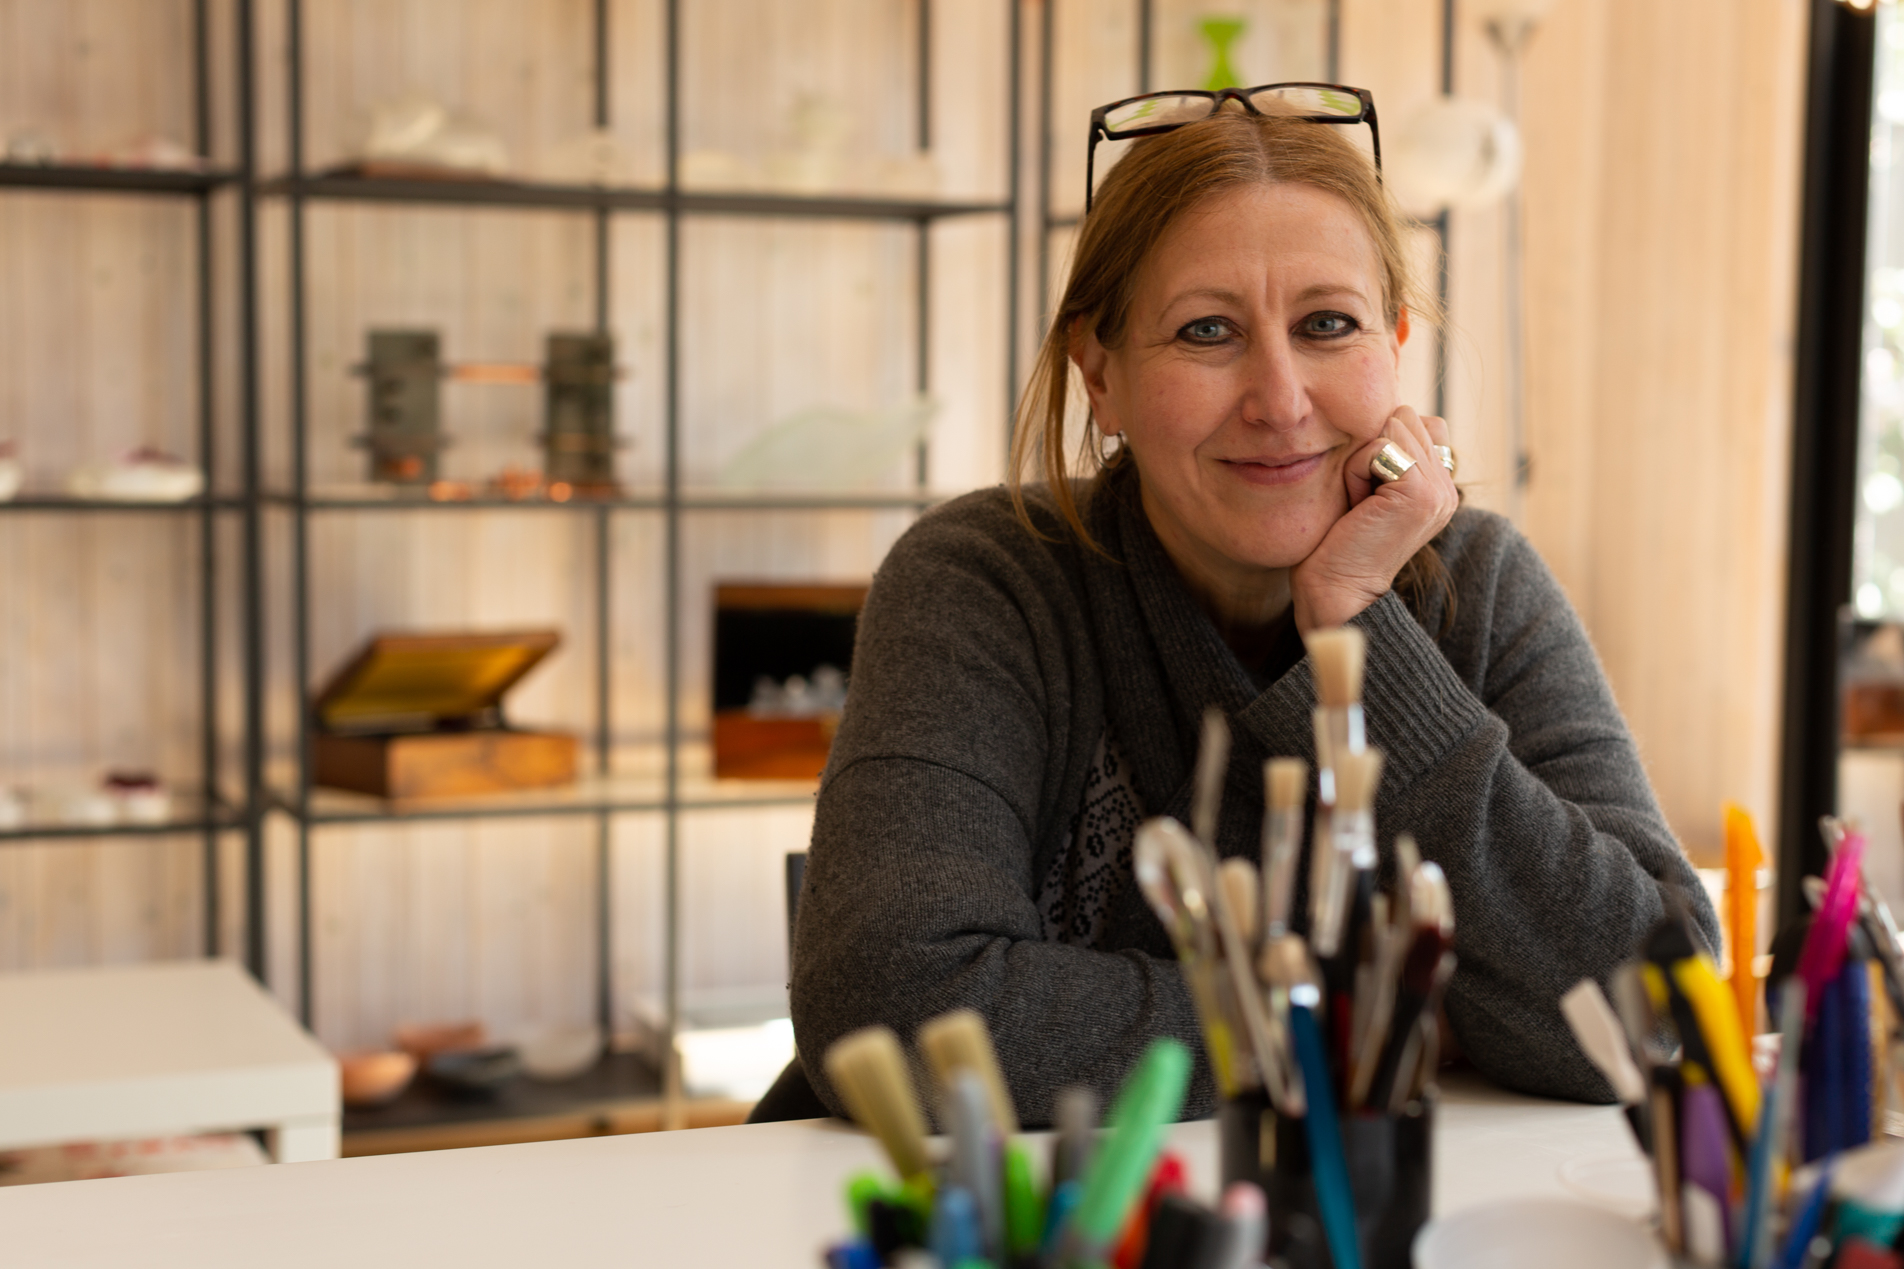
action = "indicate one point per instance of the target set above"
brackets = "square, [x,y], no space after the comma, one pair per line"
[1774,1112]
[976,1158]
[1063,1199]
[855,1254]
[1855,1129]
[1328,1169]
[1798,1241]
[954,1235]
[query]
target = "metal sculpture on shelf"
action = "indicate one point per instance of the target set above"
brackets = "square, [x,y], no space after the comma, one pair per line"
[578,440]
[405,433]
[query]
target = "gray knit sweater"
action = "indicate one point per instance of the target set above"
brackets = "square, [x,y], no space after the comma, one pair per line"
[989,665]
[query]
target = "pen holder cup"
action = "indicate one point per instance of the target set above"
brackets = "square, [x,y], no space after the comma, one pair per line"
[1389,1160]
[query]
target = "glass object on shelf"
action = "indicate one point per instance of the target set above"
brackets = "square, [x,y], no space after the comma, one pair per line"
[33,148]
[831,449]
[1222,32]
[140,475]
[419,137]
[1453,152]
[781,655]
[595,157]
[578,438]
[404,434]
[1877,562]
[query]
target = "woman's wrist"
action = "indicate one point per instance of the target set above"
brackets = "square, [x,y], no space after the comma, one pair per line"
[1336,606]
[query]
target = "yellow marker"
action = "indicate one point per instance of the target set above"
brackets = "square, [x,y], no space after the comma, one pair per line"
[1743,858]
[1698,981]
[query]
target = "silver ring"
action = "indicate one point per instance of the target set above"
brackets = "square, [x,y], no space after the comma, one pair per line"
[1389,463]
[1445,454]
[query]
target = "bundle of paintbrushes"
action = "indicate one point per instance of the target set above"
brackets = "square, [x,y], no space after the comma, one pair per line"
[1726,1145]
[1115,1200]
[1341,1022]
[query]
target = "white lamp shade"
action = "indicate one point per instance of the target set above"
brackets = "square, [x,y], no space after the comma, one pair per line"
[1453,152]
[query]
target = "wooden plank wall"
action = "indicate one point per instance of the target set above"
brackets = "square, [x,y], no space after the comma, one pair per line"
[1659,261]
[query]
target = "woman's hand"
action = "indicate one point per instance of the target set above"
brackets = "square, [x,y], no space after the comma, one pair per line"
[1356,561]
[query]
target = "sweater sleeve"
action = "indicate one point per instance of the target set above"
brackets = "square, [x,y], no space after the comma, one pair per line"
[1517,774]
[926,848]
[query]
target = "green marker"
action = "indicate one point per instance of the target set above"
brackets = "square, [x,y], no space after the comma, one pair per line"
[1149,1101]
[1024,1213]
[861,1189]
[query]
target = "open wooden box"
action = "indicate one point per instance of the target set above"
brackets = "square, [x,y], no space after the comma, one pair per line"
[420,716]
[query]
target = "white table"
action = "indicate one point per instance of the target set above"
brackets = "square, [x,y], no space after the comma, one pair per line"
[748,1197]
[160,1050]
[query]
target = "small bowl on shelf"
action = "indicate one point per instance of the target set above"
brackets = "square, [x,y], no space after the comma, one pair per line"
[561,1053]
[475,1073]
[424,1040]
[375,1079]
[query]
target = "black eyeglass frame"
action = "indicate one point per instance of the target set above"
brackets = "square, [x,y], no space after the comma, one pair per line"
[1217,97]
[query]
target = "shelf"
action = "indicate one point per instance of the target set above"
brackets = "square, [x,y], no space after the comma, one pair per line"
[619,1078]
[594,795]
[498,193]
[193,818]
[65,503]
[400,498]
[119,180]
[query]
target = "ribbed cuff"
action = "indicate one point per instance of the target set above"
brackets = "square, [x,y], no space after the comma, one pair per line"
[1416,707]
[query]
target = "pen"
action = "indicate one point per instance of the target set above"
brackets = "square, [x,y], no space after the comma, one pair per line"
[1149,1100]
[1705,1168]
[1768,1148]
[1245,1214]
[1328,1168]
[1075,1116]
[954,1235]
[976,1161]
[1024,1210]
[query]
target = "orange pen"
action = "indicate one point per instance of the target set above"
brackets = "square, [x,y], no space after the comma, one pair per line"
[1743,859]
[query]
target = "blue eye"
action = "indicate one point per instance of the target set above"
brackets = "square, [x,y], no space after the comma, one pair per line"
[1330,325]
[1206,330]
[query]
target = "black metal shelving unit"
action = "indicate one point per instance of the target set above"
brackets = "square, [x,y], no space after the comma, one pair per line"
[601,798]
[211,812]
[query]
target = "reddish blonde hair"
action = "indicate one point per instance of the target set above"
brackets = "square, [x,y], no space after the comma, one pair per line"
[1159,180]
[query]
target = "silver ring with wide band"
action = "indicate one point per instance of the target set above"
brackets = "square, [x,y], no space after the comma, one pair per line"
[1389,463]
[1445,454]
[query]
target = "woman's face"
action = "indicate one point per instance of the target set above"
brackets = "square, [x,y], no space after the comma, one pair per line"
[1255,360]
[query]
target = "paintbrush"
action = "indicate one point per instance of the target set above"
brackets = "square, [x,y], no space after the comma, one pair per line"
[960,1040]
[1337,657]
[1353,846]
[1236,878]
[1238,986]
[869,1073]
[1213,763]
[1415,989]
[1285,788]
[1176,890]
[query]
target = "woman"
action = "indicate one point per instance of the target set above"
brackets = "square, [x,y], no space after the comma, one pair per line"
[1032,665]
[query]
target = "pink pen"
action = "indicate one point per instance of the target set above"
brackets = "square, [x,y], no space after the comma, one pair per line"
[1824,950]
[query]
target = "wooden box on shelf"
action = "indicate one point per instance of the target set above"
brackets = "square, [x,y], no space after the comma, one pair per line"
[781,654]
[420,716]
